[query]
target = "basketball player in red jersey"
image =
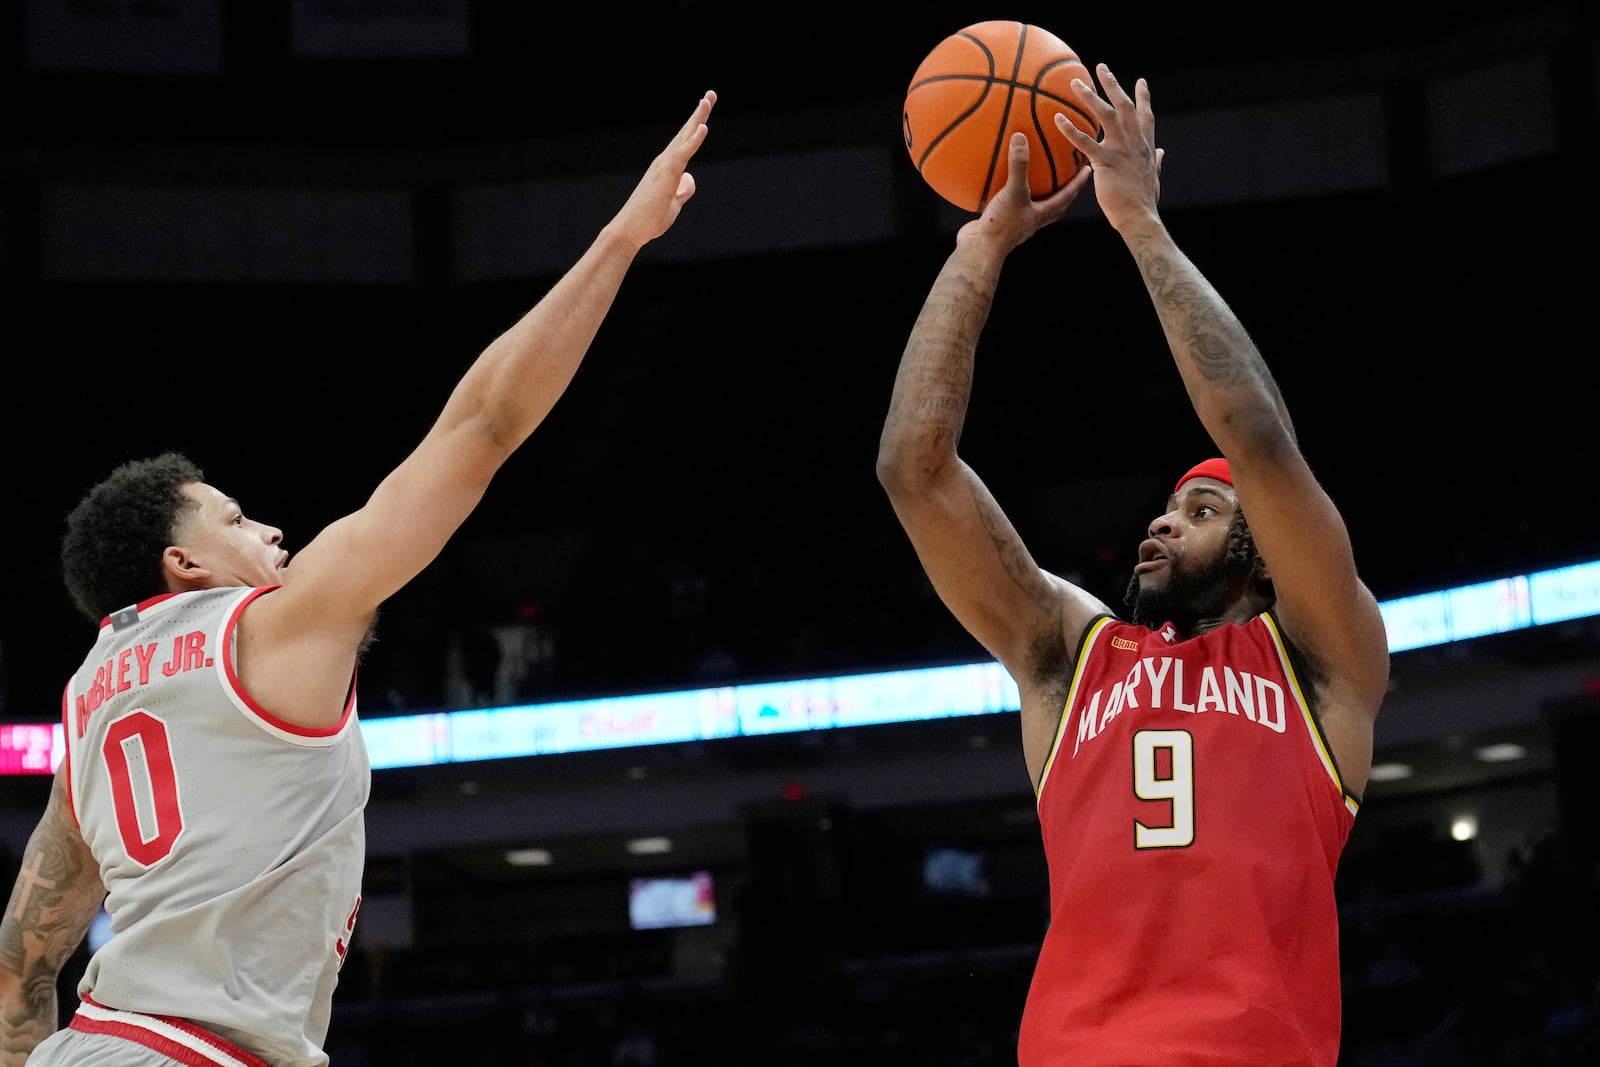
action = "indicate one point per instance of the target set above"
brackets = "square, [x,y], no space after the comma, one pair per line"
[1197,769]
[215,780]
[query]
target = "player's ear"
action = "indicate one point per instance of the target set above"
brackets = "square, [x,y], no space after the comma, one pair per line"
[182,570]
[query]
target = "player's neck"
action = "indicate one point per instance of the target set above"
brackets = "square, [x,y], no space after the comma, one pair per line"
[1240,610]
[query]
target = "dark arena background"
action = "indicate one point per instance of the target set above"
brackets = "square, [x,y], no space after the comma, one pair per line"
[272,234]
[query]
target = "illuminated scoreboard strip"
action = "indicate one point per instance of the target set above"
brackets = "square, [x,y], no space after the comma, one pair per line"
[689,715]
[30,748]
[1458,614]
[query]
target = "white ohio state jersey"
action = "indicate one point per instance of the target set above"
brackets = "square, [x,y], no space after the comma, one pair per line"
[230,842]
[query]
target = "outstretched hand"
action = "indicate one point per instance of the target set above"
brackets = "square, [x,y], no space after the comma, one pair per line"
[667,185]
[1012,215]
[1127,164]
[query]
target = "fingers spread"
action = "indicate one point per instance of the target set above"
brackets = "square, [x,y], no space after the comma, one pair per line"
[1069,128]
[1109,83]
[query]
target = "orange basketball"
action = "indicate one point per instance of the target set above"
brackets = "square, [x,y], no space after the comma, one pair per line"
[974,90]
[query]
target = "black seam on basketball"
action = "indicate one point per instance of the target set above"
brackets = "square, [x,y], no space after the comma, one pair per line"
[1038,129]
[991,79]
[959,78]
[1070,105]
[1038,126]
[1005,116]
[985,48]
[957,121]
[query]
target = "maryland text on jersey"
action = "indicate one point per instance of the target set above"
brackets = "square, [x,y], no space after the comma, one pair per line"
[1160,682]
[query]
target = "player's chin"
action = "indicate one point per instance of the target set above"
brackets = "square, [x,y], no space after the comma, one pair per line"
[1150,579]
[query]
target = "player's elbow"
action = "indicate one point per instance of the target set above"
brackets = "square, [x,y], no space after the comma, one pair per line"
[902,471]
[1252,428]
[889,466]
[23,978]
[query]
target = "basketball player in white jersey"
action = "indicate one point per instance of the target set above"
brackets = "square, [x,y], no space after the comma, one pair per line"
[215,779]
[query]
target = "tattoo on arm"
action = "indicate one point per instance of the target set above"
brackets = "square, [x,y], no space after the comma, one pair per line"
[932,389]
[934,382]
[55,894]
[1202,328]
[1014,557]
[1192,312]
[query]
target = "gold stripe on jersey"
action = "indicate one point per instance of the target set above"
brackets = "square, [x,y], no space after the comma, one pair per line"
[1089,637]
[1324,751]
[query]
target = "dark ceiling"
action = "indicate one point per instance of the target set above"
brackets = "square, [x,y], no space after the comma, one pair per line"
[1429,339]
[1432,339]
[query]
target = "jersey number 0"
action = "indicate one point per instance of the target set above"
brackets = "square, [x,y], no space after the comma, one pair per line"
[144,786]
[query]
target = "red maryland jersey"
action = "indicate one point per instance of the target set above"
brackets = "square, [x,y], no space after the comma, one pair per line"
[1193,819]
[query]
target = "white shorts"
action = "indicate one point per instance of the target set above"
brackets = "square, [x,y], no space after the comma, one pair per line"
[105,1037]
[69,1048]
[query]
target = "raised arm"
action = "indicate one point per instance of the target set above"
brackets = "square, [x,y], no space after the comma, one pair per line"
[1321,602]
[978,564]
[55,896]
[336,583]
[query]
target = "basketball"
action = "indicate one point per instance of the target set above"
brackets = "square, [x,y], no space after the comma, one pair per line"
[974,90]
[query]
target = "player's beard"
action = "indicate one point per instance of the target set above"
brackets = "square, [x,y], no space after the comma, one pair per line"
[1188,595]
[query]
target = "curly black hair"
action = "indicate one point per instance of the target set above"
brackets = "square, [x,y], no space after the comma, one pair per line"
[1242,552]
[111,554]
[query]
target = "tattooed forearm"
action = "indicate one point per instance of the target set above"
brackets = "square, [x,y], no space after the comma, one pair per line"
[1196,319]
[55,895]
[970,551]
[1205,335]
[934,382]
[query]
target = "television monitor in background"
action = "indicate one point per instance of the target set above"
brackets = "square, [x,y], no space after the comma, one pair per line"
[955,871]
[659,902]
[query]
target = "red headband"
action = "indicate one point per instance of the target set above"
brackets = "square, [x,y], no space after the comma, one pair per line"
[1212,468]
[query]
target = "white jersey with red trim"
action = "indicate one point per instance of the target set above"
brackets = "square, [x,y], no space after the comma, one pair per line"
[230,843]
